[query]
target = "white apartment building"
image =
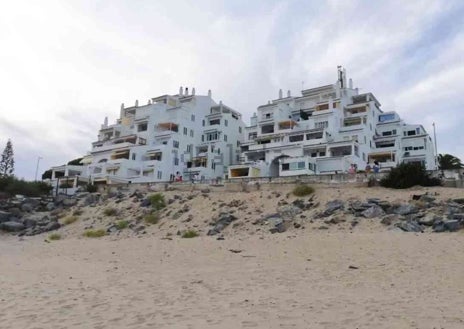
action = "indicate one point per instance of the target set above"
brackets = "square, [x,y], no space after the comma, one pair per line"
[184,135]
[328,129]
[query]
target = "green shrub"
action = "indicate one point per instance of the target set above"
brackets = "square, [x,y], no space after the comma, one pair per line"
[94,233]
[54,236]
[189,234]
[407,175]
[12,186]
[157,201]
[77,212]
[91,188]
[70,219]
[122,224]
[152,218]
[110,211]
[303,190]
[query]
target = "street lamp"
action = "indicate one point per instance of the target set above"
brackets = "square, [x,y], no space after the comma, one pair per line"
[37,167]
[435,142]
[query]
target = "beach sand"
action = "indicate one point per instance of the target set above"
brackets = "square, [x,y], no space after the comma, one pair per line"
[365,277]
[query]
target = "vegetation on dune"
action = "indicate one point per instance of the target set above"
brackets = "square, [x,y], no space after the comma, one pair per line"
[303,190]
[94,233]
[406,175]
[152,218]
[69,220]
[54,236]
[448,161]
[157,201]
[122,224]
[190,234]
[12,186]
[110,211]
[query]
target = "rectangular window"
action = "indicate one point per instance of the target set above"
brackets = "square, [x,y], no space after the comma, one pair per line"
[159,174]
[176,161]
[225,138]
[285,166]
[212,136]
[185,130]
[142,127]
[316,135]
[296,138]
[189,148]
[191,132]
[203,123]
[225,123]
[268,129]
[213,165]
[202,138]
[133,156]
[239,130]
[252,136]
[175,144]
[192,117]
[322,124]
[214,122]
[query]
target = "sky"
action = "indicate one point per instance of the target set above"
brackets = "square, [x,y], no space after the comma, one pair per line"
[65,65]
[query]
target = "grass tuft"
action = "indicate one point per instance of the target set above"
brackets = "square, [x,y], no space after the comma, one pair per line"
[54,236]
[94,233]
[110,211]
[157,201]
[69,220]
[152,218]
[303,190]
[190,234]
[122,224]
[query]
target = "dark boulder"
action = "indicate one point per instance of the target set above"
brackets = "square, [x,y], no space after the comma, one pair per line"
[12,226]
[409,226]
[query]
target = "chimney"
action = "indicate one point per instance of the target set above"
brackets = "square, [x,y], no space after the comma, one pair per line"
[209,93]
[149,102]
[254,120]
[280,93]
[121,112]
[181,91]
[193,91]
[136,103]
[186,91]
[105,122]
[344,78]
[351,83]
[289,94]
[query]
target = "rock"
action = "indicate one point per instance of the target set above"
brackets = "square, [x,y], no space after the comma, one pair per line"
[373,200]
[278,228]
[50,206]
[332,206]
[409,226]
[112,229]
[51,226]
[205,190]
[29,222]
[429,219]
[289,211]
[27,207]
[439,227]
[405,209]
[459,216]
[15,212]
[223,220]
[4,216]
[145,203]
[91,199]
[334,220]
[389,219]
[12,226]
[452,225]
[374,211]
[459,201]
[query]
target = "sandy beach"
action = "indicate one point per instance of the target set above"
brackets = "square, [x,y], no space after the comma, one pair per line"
[366,276]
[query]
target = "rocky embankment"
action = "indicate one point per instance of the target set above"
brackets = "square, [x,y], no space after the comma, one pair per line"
[205,212]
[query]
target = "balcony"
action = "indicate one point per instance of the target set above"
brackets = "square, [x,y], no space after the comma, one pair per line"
[111,147]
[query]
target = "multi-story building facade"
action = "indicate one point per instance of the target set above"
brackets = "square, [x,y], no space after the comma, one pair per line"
[173,136]
[328,129]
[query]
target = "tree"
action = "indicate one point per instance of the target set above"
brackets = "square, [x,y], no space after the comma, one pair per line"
[7,161]
[448,161]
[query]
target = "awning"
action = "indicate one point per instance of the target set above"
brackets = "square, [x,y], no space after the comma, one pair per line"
[153,152]
[87,160]
[119,152]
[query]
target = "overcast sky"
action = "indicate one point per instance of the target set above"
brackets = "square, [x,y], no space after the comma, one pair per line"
[65,65]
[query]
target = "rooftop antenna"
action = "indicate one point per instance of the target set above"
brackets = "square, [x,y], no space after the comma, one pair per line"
[302,85]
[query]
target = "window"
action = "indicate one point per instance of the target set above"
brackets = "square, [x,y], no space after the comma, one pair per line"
[142,141]
[189,148]
[386,117]
[203,123]
[185,130]
[176,161]
[322,124]
[252,136]
[191,132]
[212,136]
[142,127]
[165,143]
[316,135]
[218,151]
[202,138]
[192,117]
[175,144]
[268,129]
[213,165]
[285,166]
[159,174]
[133,156]
[214,122]
[239,130]
[322,154]
[225,138]
[225,122]
[296,138]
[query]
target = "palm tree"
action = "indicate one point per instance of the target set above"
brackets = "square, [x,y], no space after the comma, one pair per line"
[448,161]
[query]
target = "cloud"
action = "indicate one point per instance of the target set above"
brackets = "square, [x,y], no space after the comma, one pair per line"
[66,65]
